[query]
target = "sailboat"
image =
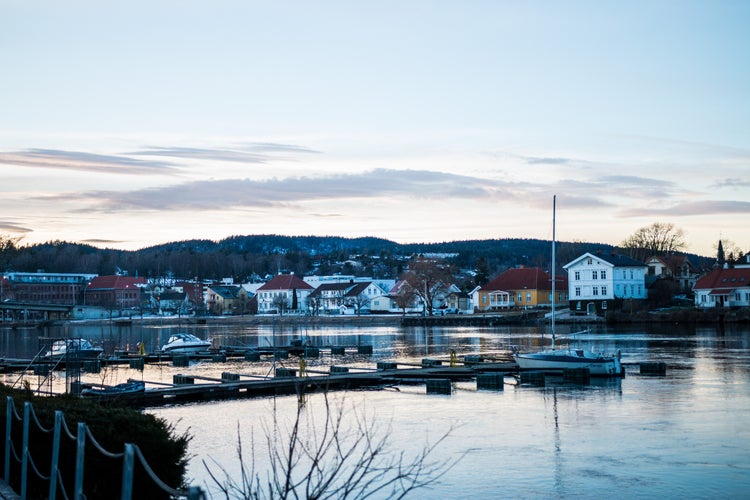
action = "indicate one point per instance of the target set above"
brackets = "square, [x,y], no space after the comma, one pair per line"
[561,359]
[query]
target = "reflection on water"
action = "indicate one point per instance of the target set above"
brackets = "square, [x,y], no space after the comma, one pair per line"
[683,435]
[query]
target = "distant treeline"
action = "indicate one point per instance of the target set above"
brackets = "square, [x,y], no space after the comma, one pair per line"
[251,257]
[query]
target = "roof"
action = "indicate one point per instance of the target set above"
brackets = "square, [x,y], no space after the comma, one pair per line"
[115,282]
[724,279]
[285,282]
[347,289]
[530,278]
[226,291]
[615,260]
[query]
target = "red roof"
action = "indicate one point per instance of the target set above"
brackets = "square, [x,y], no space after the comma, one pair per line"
[725,278]
[285,282]
[530,278]
[114,282]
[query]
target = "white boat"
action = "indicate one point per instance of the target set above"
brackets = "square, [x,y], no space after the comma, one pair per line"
[604,365]
[73,348]
[185,342]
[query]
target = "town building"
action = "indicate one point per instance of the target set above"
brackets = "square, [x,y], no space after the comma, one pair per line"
[723,288]
[520,287]
[596,280]
[675,267]
[115,292]
[283,293]
[227,300]
[44,288]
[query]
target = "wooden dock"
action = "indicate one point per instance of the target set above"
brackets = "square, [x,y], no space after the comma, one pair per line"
[189,388]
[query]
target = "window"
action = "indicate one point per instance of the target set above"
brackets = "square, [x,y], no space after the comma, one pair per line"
[631,274]
[589,261]
[604,290]
[520,298]
[578,292]
[594,275]
[603,273]
[595,291]
[528,296]
[577,275]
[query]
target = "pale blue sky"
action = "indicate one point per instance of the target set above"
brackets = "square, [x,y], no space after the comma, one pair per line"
[136,123]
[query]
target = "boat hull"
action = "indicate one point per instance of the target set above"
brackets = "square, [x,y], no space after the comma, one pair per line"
[598,365]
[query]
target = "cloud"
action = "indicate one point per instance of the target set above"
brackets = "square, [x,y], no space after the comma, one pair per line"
[245,193]
[731,183]
[13,227]
[546,161]
[254,152]
[88,162]
[708,207]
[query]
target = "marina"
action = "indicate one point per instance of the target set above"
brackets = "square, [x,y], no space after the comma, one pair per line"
[672,427]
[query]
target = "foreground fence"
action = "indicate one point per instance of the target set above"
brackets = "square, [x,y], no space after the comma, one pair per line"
[61,432]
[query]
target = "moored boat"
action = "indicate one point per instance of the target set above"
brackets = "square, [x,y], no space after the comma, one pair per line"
[602,365]
[185,343]
[73,348]
[129,387]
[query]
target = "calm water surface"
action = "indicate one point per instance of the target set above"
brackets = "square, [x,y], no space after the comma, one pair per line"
[683,435]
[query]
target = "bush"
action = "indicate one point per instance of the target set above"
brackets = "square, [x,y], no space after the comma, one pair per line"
[111,427]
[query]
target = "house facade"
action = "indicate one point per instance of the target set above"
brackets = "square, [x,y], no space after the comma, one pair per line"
[676,267]
[520,287]
[594,281]
[723,288]
[284,292]
[44,288]
[114,292]
[227,300]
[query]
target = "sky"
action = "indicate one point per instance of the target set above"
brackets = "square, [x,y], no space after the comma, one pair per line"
[131,124]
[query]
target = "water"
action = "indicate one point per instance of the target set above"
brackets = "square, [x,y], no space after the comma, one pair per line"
[683,435]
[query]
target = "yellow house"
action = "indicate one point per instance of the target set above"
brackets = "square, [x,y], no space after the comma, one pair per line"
[521,287]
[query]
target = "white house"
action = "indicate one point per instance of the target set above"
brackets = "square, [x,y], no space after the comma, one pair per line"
[723,288]
[596,280]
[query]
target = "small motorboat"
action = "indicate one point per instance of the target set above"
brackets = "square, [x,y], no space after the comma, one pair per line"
[185,343]
[129,387]
[73,348]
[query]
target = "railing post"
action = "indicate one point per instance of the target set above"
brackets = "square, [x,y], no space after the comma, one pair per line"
[8,421]
[25,447]
[81,448]
[128,464]
[55,455]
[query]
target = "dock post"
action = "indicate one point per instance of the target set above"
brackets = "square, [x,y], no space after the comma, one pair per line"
[137,363]
[653,368]
[490,381]
[533,378]
[364,349]
[181,360]
[439,386]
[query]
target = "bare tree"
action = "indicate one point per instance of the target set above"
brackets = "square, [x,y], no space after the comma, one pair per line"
[426,276]
[657,239]
[335,461]
[405,297]
[280,302]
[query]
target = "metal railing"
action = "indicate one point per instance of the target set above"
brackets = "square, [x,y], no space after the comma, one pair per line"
[60,430]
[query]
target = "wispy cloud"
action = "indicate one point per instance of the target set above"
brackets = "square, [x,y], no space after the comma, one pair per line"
[707,207]
[88,162]
[254,152]
[234,193]
[547,161]
[14,227]
[731,183]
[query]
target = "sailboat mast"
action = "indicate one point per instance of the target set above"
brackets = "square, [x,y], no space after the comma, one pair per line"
[554,266]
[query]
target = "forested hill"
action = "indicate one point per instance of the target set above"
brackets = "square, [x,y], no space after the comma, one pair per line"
[243,257]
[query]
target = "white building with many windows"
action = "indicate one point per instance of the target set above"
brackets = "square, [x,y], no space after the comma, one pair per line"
[596,280]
